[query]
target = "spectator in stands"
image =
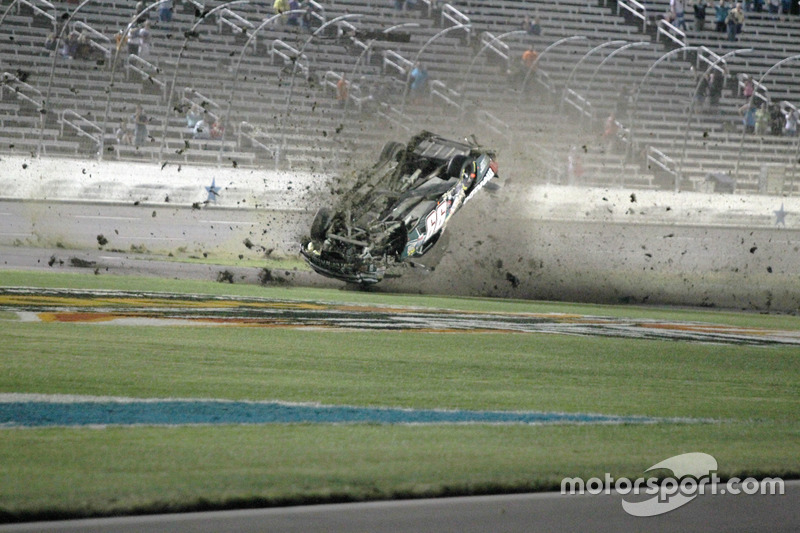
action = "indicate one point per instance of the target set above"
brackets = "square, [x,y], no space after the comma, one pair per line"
[786,7]
[419,81]
[749,87]
[144,40]
[776,119]
[574,165]
[721,16]
[193,116]
[530,58]
[748,112]
[399,5]
[702,90]
[217,129]
[774,8]
[342,88]
[308,18]
[755,5]
[123,133]
[716,82]
[735,21]
[280,7]
[610,132]
[165,12]
[120,39]
[134,41]
[140,121]
[699,15]
[792,117]
[677,8]
[83,50]
[140,13]
[294,18]
[532,27]
[623,103]
[762,119]
[202,129]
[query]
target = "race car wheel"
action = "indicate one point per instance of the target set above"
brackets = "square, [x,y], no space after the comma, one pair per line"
[455,165]
[321,223]
[390,151]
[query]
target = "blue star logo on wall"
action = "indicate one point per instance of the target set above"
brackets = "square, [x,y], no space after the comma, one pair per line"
[213,192]
[780,216]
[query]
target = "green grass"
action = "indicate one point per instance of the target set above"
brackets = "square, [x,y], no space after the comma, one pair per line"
[751,391]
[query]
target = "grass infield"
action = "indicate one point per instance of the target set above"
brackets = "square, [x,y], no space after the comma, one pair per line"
[751,391]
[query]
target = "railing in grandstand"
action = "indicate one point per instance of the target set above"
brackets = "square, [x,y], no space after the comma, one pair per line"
[707,58]
[672,33]
[494,124]
[634,10]
[82,126]
[453,17]
[438,89]
[253,134]
[544,80]
[581,104]
[289,54]
[345,29]
[199,7]
[317,11]
[497,46]
[193,97]
[397,62]
[38,10]
[12,83]
[396,117]
[146,70]
[547,164]
[662,161]
[234,21]
[95,39]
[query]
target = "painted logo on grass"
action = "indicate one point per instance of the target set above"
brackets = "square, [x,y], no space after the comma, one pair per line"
[692,474]
[42,410]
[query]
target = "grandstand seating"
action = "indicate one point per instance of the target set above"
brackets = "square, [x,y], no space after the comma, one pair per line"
[284,112]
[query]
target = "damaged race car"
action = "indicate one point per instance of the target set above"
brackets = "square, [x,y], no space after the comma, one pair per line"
[398,209]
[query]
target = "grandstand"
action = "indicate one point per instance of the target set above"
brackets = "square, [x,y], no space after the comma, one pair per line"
[280,110]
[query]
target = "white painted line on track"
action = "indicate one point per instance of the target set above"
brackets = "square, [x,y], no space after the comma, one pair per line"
[233,222]
[101,217]
[17,234]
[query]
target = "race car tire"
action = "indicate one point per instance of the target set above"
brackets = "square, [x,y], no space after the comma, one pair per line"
[456,165]
[390,151]
[321,223]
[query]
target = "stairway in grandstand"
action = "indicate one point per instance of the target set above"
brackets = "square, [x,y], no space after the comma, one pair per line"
[284,111]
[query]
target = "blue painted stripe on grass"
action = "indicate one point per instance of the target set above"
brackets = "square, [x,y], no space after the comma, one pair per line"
[43,414]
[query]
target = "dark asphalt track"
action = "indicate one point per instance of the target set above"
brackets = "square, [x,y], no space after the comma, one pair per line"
[546,512]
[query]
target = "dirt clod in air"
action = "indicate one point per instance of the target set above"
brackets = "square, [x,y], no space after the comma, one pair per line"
[225,276]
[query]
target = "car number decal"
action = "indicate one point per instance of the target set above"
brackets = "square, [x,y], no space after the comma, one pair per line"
[435,220]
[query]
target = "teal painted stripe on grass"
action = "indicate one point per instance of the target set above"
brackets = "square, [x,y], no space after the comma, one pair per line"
[182,412]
